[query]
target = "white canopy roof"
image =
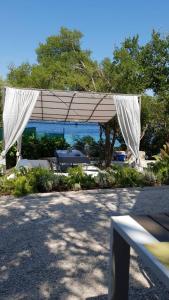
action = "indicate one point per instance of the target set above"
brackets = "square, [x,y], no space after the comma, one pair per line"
[74,106]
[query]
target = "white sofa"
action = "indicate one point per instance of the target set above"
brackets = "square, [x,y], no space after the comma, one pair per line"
[32,163]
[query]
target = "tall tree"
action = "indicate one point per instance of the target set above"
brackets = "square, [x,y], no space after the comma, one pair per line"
[154,59]
[124,75]
[62,64]
[134,69]
[20,76]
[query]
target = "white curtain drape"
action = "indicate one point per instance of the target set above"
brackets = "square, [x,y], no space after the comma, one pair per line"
[18,108]
[128,114]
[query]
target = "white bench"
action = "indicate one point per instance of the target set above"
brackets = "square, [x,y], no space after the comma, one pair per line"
[126,232]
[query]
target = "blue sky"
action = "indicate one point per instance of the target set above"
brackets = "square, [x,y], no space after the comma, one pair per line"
[104,23]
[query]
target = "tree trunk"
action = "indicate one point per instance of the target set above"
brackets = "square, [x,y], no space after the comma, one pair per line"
[113,142]
[108,152]
[143,132]
[111,130]
[101,145]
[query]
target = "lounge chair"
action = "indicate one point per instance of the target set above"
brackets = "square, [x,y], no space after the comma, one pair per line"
[67,158]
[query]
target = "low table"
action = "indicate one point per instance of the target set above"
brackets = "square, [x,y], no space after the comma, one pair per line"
[140,233]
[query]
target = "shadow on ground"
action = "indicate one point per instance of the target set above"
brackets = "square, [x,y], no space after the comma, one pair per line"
[56,246]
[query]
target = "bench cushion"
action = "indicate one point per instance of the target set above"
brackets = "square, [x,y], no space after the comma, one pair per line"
[160,251]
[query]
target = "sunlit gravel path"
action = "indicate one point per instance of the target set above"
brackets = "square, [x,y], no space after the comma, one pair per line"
[56,246]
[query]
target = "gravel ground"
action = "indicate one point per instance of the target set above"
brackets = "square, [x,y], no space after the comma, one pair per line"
[56,246]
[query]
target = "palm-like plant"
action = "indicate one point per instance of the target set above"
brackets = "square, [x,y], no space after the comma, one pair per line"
[161,167]
[164,153]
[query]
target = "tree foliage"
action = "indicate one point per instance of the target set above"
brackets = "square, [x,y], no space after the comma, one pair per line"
[62,64]
[154,59]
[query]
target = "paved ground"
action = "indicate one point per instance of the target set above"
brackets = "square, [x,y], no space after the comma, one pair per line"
[55,246]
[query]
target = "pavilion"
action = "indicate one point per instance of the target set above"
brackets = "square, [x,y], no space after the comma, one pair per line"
[22,105]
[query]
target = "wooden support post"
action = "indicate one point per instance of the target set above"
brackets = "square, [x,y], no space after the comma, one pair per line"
[19,149]
[118,267]
[139,101]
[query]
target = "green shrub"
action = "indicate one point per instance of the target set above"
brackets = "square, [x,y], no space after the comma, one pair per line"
[32,181]
[22,186]
[19,171]
[161,166]
[77,187]
[150,179]
[163,175]
[126,176]
[43,180]
[44,183]
[75,176]
[105,179]
[158,165]
[78,179]
[87,182]
[60,183]
[6,186]
[164,152]
[18,185]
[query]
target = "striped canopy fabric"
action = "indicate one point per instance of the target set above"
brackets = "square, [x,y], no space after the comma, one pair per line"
[74,106]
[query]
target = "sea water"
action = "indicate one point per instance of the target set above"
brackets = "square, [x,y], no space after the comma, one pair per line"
[71,130]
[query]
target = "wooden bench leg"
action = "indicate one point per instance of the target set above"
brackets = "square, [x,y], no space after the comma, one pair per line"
[118,267]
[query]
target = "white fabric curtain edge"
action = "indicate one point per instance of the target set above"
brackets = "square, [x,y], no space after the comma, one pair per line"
[18,107]
[128,114]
